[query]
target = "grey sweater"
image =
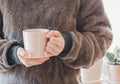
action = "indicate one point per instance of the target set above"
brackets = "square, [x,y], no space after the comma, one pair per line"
[84,19]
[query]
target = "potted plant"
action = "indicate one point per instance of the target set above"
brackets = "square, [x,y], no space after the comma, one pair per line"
[114,64]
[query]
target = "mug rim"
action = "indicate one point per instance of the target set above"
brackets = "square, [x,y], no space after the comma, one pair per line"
[35,30]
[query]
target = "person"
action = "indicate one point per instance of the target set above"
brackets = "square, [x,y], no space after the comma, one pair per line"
[79,36]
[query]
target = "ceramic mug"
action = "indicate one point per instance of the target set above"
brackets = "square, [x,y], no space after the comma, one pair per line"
[35,41]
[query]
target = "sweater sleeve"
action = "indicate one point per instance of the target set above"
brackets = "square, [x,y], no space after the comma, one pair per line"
[68,43]
[12,55]
[92,36]
[4,46]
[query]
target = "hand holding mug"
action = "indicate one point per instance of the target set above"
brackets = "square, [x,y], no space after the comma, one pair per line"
[25,59]
[34,46]
[55,44]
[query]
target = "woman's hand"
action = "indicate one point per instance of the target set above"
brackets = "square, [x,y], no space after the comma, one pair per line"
[55,44]
[25,59]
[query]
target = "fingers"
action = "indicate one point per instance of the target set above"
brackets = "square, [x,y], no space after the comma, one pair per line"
[32,62]
[55,45]
[47,54]
[53,33]
[25,59]
[22,52]
[52,45]
[53,48]
[56,41]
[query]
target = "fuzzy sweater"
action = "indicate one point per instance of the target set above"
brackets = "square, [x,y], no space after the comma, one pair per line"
[84,19]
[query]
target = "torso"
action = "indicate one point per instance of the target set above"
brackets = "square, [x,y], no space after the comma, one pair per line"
[23,14]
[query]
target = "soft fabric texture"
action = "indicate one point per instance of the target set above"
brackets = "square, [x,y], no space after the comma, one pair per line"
[85,19]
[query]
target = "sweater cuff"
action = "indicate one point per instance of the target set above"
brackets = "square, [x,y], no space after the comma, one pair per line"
[68,44]
[12,55]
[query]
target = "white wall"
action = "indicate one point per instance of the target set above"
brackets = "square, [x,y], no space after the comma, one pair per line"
[112,8]
[113,13]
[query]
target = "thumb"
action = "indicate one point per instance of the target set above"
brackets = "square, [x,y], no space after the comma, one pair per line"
[23,53]
[20,52]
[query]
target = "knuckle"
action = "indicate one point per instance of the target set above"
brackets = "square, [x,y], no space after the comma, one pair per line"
[47,48]
[56,31]
[61,45]
[56,53]
[52,31]
[52,39]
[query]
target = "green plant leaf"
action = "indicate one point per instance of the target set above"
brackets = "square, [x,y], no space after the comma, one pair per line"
[110,56]
[116,51]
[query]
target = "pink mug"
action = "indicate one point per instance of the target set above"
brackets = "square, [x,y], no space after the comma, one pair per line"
[35,41]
